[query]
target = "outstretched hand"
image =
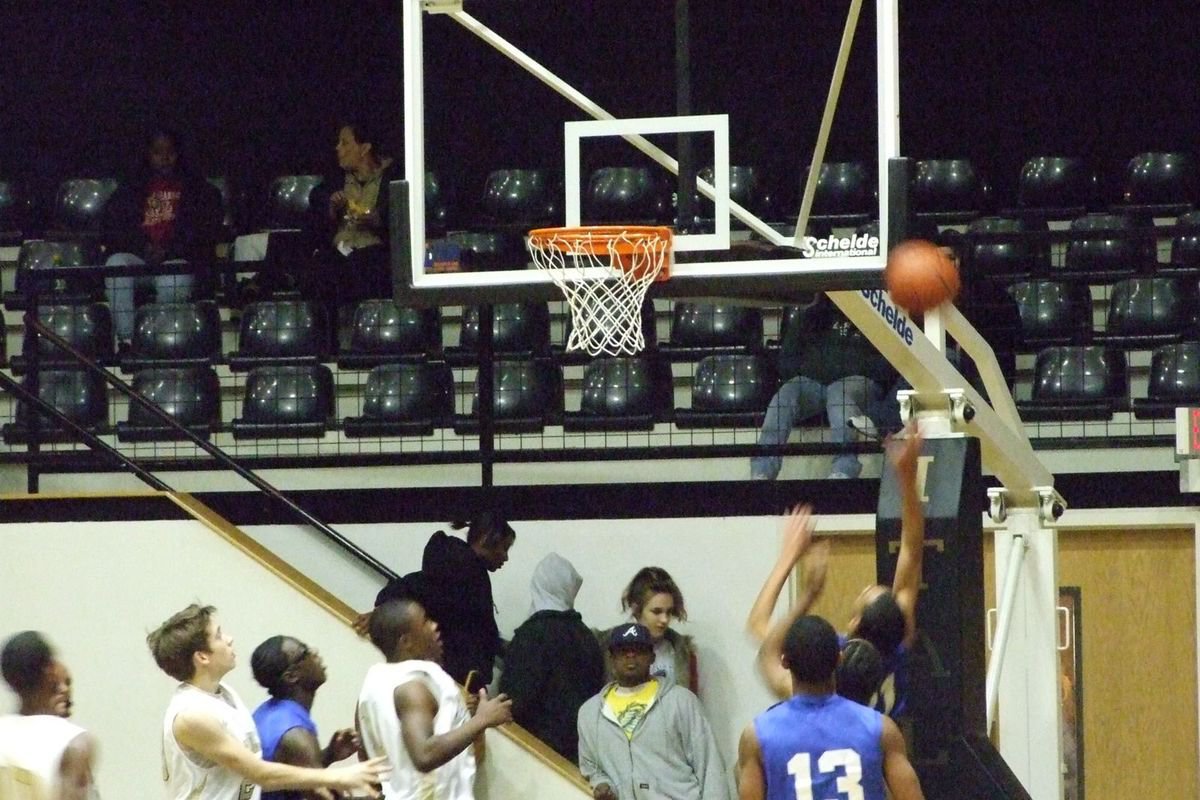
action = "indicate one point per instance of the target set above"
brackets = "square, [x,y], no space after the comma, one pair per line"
[903,453]
[362,623]
[816,568]
[362,779]
[798,528]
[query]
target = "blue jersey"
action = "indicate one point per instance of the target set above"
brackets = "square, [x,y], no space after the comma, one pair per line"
[273,719]
[821,748]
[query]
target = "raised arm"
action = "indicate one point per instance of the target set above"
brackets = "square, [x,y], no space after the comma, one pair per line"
[797,545]
[898,772]
[797,538]
[203,734]
[416,707]
[751,781]
[906,586]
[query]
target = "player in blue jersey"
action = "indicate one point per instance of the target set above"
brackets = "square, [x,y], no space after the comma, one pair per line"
[884,616]
[818,745]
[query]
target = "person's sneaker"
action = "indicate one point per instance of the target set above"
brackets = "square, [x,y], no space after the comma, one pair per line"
[863,427]
[837,476]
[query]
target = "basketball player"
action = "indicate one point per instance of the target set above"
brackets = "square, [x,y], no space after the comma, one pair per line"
[42,756]
[887,618]
[413,712]
[817,744]
[210,748]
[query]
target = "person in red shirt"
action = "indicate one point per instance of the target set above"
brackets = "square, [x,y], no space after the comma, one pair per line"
[166,215]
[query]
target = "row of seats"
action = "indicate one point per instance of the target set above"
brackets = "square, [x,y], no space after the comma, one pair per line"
[413,399]
[1099,247]
[1071,383]
[950,190]
[293,331]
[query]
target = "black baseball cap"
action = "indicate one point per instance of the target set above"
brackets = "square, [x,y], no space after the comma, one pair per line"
[630,635]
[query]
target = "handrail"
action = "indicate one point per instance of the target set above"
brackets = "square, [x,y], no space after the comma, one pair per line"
[220,455]
[88,438]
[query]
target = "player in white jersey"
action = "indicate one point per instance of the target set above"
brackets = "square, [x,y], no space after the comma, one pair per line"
[414,713]
[42,755]
[210,746]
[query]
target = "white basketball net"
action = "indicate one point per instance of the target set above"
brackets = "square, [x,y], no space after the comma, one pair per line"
[604,273]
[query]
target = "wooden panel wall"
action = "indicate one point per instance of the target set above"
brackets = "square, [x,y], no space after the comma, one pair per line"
[1139,651]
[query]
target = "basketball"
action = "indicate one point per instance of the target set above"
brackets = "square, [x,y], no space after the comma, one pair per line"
[920,276]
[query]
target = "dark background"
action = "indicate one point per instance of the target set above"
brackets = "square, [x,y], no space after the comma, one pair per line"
[258,88]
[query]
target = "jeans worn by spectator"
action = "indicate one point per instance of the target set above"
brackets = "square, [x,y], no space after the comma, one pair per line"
[120,291]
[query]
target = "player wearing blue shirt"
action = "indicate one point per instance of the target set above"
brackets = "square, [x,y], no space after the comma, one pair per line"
[291,672]
[884,616]
[817,745]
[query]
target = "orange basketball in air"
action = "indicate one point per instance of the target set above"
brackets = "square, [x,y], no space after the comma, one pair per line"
[919,276]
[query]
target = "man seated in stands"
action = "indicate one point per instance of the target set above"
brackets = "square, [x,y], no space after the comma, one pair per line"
[291,672]
[47,755]
[210,747]
[828,366]
[167,214]
[412,712]
[642,737]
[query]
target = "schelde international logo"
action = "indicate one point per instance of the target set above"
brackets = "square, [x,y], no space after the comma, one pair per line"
[862,244]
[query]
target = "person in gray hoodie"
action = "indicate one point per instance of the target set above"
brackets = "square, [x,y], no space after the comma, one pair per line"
[645,739]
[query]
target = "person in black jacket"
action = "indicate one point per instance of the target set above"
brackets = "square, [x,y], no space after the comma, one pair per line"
[455,588]
[826,365]
[553,663]
[166,214]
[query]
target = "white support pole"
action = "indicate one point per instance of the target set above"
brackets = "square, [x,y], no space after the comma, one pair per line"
[1030,702]
[1012,572]
[414,145]
[580,100]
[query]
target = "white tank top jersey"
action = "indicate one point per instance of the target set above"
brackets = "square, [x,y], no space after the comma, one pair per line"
[380,729]
[31,749]
[187,775]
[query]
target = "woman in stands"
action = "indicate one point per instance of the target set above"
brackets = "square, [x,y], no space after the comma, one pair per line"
[654,600]
[165,214]
[350,213]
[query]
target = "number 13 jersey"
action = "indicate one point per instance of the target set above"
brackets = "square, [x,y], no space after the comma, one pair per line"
[821,748]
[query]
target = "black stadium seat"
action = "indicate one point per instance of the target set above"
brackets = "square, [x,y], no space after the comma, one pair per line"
[1053,312]
[1012,258]
[1077,383]
[1164,183]
[729,391]
[702,329]
[622,394]
[527,396]
[947,190]
[79,394]
[286,401]
[1056,187]
[527,198]
[174,335]
[1100,257]
[279,332]
[1174,381]
[384,331]
[628,195]
[287,201]
[517,329]
[845,193]
[79,206]
[88,328]
[1143,312]
[42,254]
[192,395]
[410,399]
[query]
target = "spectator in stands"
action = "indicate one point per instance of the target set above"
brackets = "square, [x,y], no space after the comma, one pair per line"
[455,587]
[291,672]
[350,214]
[553,663]
[645,737]
[166,214]
[653,599]
[828,366]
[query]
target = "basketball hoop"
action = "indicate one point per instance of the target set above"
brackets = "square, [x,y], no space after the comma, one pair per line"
[604,271]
